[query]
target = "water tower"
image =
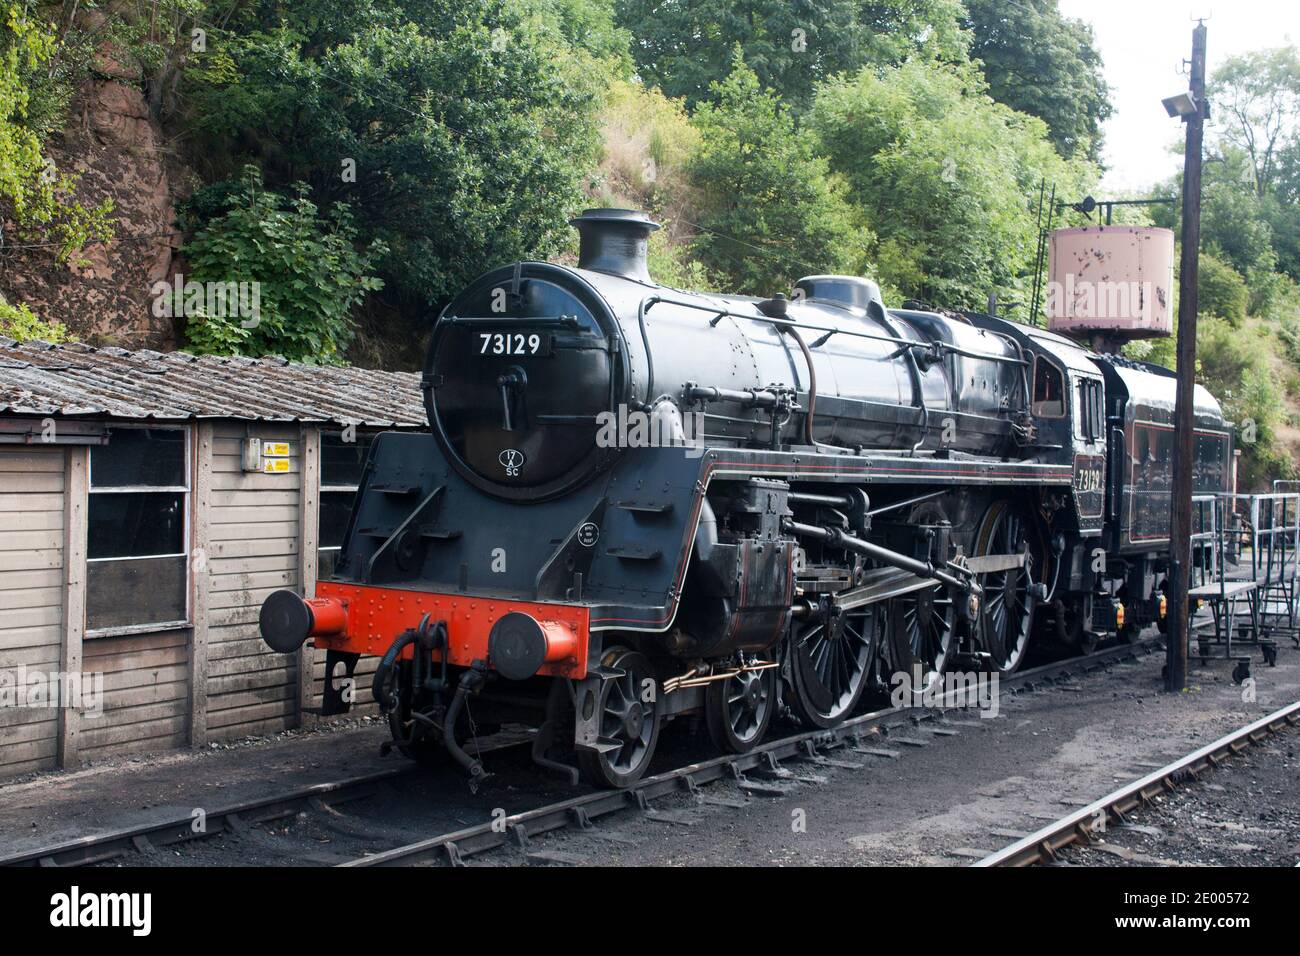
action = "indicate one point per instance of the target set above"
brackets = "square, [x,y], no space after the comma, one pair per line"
[1108,285]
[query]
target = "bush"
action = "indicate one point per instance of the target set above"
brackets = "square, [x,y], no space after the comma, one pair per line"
[647,140]
[21,324]
[33,193]
[1235,368]
[308,275]
[1221,290]
[461,132]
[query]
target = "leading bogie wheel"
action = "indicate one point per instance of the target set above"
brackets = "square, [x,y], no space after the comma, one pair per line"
[630,717]
[739,708]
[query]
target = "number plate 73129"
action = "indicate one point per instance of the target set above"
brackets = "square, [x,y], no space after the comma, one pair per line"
[513,343]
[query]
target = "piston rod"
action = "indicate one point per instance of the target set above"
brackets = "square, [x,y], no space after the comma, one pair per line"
[838,539]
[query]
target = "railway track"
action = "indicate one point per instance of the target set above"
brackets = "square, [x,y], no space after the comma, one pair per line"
[816,747]
[759,771]
[1083,825]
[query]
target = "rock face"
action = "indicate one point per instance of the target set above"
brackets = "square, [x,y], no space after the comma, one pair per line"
[118,151]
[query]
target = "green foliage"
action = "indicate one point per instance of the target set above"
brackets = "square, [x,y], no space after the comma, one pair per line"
[471,125]
[1233,221]
[590,25]
[1041,63]
[1235,365]
[38,197]
[21,324]
[1220,290]
[946,177]
[646,141]
[308,272]
[1281,211]
[674,266]
[770,209]
[1235,368]
[686,48]
[1257,96]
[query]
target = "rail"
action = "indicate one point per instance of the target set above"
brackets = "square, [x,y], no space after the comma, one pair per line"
[1083,824]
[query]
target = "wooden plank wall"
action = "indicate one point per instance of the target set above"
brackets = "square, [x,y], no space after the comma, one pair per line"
[146,693]
[166,689]
[145,704]
[254,550]
[32,482]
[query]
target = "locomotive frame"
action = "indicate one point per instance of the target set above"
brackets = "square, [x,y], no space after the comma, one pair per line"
[959,488]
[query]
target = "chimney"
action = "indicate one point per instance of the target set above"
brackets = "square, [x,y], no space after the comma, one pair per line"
[614,241]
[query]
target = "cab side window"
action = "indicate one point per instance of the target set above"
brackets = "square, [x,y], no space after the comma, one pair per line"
[1089,413]
[1049,390]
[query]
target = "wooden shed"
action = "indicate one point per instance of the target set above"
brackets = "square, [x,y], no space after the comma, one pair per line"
[149,502]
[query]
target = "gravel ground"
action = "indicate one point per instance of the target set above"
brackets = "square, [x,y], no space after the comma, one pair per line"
[1245,813]
[944,799]
[957,798]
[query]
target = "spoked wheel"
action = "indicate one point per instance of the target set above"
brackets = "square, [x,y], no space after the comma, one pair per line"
[830,664]
[1007,606]
[921,635]
[629,723]
[739,709]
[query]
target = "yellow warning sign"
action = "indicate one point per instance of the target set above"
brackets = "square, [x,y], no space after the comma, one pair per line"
[276,466]
[275,449]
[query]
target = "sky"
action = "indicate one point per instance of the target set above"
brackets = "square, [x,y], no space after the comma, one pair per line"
[1143,43]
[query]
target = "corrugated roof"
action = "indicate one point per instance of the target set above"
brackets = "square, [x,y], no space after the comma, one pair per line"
[37,378]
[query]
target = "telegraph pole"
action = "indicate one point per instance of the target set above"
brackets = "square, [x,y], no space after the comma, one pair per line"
[1180,531]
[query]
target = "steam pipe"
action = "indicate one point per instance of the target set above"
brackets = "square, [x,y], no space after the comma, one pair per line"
[470,681]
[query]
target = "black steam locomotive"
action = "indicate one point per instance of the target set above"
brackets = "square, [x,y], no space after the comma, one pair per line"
[636,503]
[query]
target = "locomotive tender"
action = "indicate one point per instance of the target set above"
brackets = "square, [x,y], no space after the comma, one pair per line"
[842,492]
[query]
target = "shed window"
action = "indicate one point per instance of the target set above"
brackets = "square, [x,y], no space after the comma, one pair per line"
[340,475]
[137,570]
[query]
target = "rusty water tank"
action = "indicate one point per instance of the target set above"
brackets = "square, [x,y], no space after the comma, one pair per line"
[1111,284]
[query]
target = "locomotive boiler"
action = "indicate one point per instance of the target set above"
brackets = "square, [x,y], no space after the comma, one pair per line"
[636,504]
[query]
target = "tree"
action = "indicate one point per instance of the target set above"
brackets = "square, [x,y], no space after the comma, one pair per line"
[460,131]
[685,47]
[947,178]
[33,192]
[1220,290]
[1259,96]
[1041,63]
[770,209]
[1233,216]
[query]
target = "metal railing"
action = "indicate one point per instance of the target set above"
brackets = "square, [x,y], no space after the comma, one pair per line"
[1207,540]
[1263,545]
[1264,536]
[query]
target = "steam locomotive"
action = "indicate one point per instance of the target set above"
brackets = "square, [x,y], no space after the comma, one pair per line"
[636,504]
